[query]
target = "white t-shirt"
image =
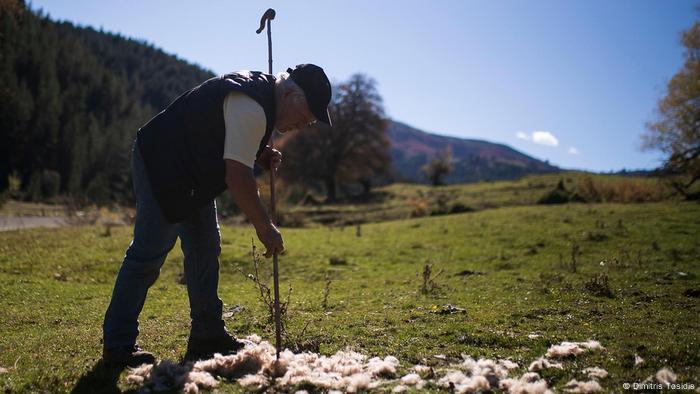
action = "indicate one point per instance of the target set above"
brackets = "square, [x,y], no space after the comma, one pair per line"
[245,128]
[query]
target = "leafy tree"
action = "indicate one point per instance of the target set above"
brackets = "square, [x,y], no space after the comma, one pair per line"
[355,149]
[438,167]
[676,132]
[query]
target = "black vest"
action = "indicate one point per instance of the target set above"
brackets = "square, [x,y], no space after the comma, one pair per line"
[183,146]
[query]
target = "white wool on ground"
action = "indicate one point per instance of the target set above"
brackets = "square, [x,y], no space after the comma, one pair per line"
[462,383]
[386,367]
[411,379]
[508,364]
[665,376]
[167,375]
[255,367]
[575,386]
[400,389]
[253,381]
[423,370]
[301,392]
[490,369]
[3,370]
[638,361]
[529,383]
[255,338]
[542,363]
[565,349]
[595,372]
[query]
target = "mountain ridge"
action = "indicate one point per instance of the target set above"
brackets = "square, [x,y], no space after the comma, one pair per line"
[472,159]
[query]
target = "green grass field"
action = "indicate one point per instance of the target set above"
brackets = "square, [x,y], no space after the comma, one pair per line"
[509,268]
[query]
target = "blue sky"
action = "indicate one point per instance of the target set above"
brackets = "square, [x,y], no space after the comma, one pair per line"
[570,81]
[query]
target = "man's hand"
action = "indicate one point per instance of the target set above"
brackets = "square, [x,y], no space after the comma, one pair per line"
[270,158]
[271,238]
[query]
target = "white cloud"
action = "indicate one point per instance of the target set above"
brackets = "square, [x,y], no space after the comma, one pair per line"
[573,151]
[544,138]
[522,136]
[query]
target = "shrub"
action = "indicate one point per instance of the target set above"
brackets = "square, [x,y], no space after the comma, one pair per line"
[559,195]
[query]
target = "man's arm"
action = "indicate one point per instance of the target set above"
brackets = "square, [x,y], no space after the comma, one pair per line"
[241,184]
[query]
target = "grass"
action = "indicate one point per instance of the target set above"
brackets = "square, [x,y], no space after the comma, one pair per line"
[509,268]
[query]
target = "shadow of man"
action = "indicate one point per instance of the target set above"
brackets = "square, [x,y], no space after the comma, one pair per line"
[100,379]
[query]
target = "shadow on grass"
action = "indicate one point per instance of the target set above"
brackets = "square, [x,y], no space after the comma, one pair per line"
[100,379]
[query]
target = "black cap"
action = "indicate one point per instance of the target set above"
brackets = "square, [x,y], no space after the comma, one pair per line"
[317,89]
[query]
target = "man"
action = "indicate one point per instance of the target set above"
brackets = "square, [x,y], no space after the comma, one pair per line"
[204,142]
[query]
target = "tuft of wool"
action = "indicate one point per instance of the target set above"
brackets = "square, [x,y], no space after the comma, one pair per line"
[254,338]
[357,382]
[489,369]
[168,375]
[575,386]
[665,376]
[411,379]
[542,363]
[638,361]
[508,364]
[423,370]
[529,383]
[595,372]
[463,383]
[566,349]
[3,370]
[400,389]
[383,367]
[256,381]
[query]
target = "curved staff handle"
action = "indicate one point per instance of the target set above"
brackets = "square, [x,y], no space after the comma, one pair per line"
[267,17]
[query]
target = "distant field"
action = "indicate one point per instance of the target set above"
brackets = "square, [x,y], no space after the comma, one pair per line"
[509,268]
[400,201]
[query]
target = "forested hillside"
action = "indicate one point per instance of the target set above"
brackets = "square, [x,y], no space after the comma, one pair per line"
[71,101]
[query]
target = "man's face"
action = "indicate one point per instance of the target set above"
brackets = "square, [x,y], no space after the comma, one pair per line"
[294,113]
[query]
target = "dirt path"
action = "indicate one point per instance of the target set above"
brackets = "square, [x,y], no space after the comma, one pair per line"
[22,222]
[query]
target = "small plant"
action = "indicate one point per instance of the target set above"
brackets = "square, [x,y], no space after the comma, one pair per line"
[326,293]
[265,295]
[575,252]
[599,286]
[429,283]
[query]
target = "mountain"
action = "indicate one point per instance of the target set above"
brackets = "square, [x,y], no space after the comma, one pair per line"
[472,160]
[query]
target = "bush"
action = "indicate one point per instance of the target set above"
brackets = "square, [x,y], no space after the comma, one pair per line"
[625,191]
[559,195]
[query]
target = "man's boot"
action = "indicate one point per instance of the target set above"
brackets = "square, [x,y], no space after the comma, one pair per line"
[127,356]
[205,347]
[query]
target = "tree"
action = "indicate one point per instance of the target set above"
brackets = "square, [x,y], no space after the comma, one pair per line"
[355,149]
[676,132]
[438,167]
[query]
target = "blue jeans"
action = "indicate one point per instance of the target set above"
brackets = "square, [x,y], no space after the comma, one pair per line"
[154,237]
